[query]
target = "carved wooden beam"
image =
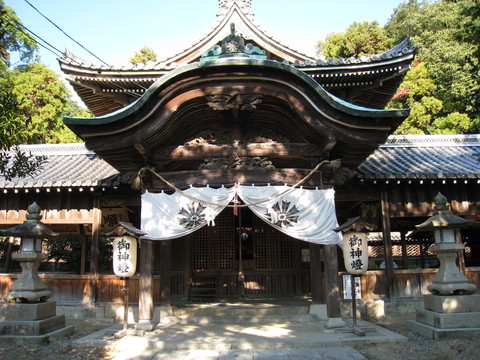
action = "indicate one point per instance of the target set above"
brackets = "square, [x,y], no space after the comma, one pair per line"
[220,177]
[198,152]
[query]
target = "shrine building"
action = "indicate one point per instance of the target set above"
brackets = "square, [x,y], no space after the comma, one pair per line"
[238,157]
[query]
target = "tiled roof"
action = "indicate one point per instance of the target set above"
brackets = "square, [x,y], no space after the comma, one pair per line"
[431,157]
[402,157]
[67,165]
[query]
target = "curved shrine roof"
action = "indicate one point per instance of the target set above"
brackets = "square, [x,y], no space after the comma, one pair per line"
[260,94]
[366,81]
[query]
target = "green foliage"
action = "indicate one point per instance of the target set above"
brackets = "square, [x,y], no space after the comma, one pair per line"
[443,85]
[360,39]
[68,250]
[65,249]
[448,53]
[17,163]
[145,55]
[13,39]
[452,124]
[41,98]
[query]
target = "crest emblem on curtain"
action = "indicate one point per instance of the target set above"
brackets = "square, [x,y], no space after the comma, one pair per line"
[192,216]
[282,214]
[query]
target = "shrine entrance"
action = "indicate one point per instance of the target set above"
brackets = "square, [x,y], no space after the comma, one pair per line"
[243,257]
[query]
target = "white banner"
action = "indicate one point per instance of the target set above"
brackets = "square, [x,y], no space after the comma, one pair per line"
[307,215]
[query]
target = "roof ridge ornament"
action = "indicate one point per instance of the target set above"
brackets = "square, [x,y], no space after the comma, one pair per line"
[234,46]
[225,5]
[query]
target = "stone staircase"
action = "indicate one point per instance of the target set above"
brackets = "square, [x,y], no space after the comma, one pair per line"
[241,313]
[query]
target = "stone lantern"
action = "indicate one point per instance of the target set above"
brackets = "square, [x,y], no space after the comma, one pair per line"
[28,317]
[451,310]
[29,287]
[448,280]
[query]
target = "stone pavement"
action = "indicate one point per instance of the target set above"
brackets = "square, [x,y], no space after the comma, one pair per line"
[276,339]
[239,331]
[331,353]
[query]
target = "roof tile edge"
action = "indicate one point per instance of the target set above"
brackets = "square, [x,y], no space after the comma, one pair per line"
[432,140]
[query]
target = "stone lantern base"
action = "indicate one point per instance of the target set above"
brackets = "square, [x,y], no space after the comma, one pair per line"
[24,323]
[446,317]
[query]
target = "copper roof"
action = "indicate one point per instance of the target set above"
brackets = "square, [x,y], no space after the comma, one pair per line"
[366,81]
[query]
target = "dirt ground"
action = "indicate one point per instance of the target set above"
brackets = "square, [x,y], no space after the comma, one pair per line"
[417,346]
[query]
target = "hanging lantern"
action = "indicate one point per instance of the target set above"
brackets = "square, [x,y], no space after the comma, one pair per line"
[124,256]
[355,244]
[355,252]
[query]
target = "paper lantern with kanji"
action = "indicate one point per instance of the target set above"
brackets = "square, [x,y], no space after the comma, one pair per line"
[355,252]
[124,256]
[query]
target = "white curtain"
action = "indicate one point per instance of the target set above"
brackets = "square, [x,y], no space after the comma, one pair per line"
[303,214]
[307,215]
[171,216]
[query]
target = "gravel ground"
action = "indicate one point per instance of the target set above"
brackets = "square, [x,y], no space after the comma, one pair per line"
[417,347]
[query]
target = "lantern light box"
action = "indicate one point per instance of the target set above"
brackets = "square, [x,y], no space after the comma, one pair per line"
[124,256]
[355,252]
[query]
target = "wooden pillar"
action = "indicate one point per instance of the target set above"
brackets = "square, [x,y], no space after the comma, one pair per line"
[297,265]
[404,250]
[387,245]
[461,253]
[316,282]
[95,249]
[188,265]
[83,256]
[145,301]
[331,276]
[165,272]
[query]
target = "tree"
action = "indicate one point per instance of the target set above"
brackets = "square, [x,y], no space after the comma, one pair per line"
[417,93]
[13,39]
[360,39]
[145,55]
[445,47]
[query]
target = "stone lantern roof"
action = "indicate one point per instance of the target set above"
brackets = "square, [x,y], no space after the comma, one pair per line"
[31,227]
[443,217]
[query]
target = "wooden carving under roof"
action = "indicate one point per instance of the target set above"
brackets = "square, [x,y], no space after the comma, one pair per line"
[368,81]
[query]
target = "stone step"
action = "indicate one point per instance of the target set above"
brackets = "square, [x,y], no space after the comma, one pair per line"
[256,310]
[267,319]
[37,339]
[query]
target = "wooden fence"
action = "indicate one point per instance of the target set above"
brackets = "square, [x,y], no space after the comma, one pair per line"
[69,288]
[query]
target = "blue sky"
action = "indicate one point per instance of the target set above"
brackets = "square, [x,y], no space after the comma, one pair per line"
[114,29]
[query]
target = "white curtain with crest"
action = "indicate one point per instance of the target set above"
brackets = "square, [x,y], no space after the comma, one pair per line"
[305,214]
